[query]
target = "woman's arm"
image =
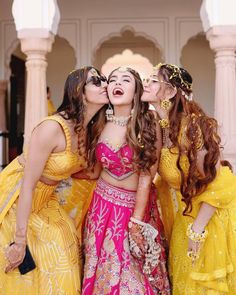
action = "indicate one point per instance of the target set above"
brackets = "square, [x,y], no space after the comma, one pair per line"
[142,195]
[205,212]
[43,141]
[89,173]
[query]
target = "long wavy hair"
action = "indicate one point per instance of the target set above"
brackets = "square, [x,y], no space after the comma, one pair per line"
[200,132]
[141,128]
[73,108]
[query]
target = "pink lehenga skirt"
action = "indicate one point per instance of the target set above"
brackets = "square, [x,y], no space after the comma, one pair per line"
[109,266]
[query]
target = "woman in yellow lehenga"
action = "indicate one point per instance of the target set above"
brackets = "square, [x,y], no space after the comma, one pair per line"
[197,193]
[57,150]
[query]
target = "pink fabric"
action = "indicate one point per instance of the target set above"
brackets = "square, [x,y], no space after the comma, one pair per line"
[116,161]
[109,266]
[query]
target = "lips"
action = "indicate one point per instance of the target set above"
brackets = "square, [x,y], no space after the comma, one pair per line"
[117,91]
[104,92]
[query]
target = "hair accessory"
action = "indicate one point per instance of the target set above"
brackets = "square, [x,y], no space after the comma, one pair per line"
[164,123]
[166,104]
[72,71]
[176,74]
[123,69]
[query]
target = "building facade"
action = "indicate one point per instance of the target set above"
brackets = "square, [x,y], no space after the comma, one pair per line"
[42,41]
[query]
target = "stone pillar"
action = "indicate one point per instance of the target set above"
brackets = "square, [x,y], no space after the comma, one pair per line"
[35,49]
[36,24]
[223,41]
[3,88]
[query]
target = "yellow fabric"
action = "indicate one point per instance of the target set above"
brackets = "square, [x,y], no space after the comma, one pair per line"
[75,196]
[51,108]
[214,273]
[51,235]
[61,165]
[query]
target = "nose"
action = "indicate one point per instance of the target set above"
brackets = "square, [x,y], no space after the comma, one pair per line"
[118,82]
[146,81]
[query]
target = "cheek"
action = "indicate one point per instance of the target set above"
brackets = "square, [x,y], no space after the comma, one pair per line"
[155,89]
[130,93]
[109,89]
[92,95]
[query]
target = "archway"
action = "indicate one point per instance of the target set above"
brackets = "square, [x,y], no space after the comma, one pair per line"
[130,50]
[198,59]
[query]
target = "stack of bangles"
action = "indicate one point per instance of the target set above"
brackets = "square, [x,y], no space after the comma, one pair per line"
[197,238]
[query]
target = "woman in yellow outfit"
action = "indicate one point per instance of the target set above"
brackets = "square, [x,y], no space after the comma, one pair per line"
[197,194]
[30,213]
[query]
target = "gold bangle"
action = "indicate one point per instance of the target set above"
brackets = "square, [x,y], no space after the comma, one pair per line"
[164,123]
[194,236]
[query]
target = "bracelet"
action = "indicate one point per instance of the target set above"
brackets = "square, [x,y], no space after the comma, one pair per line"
[137,221]
[146,228]
[194,236]
[164,123]
[137,217]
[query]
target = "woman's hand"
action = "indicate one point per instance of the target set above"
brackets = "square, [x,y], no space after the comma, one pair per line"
[15,254]
[193,250]
[135,233]
[194,244]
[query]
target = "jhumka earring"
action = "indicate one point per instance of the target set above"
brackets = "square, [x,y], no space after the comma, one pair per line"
[166,104]
[109,113]
[132,113]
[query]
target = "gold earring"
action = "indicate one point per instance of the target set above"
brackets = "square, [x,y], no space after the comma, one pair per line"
[166,104]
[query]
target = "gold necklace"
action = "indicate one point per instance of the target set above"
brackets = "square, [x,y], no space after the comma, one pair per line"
[121,121]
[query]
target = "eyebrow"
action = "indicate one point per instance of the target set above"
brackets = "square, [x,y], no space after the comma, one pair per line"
[123,76]
[126,76]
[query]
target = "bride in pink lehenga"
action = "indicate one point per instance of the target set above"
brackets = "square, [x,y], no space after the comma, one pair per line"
[124,252]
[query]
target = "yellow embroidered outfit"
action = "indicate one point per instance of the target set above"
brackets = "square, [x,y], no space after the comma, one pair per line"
[214,272]
[51,235]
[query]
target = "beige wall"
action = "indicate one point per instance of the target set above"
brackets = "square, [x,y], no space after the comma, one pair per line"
[61,61]
[91,31]
[198,59]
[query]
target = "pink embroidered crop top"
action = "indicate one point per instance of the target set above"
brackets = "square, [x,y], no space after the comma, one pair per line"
[117,162]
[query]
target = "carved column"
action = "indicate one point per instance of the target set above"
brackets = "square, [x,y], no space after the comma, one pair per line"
[36,64]
[223,42]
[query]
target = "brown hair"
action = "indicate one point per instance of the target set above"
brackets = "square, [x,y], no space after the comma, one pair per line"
[141,128]
[73,108]
[201,131]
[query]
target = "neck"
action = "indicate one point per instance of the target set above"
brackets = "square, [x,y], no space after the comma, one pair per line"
[122,111]
[161,112]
